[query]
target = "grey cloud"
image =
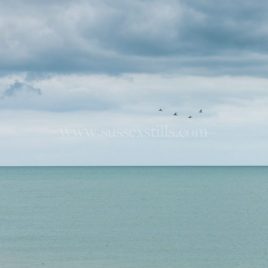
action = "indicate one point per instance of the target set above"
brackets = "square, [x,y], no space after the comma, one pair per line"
[20,87]
[22,95]
[189,36]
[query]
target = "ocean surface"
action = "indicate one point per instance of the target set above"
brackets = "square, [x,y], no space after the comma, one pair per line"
[134,217]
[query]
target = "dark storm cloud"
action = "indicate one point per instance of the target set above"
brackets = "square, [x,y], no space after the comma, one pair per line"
[190,36]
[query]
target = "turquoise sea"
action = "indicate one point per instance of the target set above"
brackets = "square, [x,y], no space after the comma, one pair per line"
[134,217]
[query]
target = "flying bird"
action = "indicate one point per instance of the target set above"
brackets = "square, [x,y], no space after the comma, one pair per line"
[189,116]
[160,110]
[200,111]
[175,114]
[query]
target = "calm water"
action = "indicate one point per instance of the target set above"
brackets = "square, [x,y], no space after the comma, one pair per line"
[134,217]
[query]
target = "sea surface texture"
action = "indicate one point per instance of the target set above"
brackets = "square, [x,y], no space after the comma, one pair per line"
[134,217]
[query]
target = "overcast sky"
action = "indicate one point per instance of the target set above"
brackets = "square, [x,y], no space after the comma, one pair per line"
[81,82]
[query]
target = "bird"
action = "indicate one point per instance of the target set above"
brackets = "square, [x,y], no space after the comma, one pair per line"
[160,110]
[189,116]
[200,111]
[175,114]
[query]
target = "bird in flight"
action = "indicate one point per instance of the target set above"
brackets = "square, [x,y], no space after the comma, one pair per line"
[175,114]
[200,111]
[189,116]
[160,110]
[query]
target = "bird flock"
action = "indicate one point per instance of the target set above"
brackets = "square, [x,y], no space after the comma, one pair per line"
[176,114]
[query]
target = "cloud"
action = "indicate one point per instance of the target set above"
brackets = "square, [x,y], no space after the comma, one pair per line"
[237,136]
[105,64]
[18,88]
[139,94]
[116,37]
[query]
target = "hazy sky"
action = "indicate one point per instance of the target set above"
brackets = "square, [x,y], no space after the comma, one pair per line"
[81,82]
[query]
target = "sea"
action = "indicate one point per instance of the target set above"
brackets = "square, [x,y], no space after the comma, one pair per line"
[134,217]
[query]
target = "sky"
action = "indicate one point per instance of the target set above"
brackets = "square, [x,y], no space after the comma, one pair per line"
[81,82]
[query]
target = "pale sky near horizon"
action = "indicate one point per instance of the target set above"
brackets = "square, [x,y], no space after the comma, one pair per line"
[81,82]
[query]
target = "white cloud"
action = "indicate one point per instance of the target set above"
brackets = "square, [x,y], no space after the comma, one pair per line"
[235,117]
[142,94]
